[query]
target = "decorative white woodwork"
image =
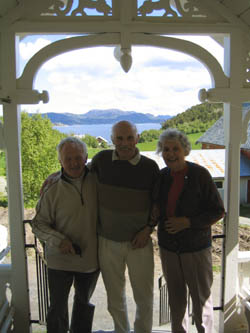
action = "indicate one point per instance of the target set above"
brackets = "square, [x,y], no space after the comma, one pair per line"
[11,123]
[123,24]
[2,143]
[25,96]
[124,57]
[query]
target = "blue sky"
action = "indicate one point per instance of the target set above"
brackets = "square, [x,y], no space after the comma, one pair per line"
[160,81]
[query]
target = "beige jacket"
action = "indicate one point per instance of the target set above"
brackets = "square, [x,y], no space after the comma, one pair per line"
[65,211]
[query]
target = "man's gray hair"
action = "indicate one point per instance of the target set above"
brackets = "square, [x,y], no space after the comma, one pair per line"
[173,134]
[133,126]
[72,140]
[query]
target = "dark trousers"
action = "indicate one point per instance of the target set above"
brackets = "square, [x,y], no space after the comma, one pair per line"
[60,283]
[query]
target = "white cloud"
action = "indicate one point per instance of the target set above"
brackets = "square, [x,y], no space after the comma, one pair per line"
[27,50]
[160,81]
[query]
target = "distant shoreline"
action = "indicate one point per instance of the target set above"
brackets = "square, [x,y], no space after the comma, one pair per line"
[103,123]
[103,130]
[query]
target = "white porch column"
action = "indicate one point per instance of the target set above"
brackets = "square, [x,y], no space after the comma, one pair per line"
[19,281]
[232,319]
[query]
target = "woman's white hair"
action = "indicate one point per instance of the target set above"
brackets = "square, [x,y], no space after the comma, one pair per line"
[174,134]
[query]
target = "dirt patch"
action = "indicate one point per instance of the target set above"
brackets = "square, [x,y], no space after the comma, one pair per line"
[29,213]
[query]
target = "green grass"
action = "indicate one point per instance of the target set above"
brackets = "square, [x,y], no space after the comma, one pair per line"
[193,138]
[216,269]
[3,200]
[245,210]
[2,164]
[147,146]
[151,146]
[93,151]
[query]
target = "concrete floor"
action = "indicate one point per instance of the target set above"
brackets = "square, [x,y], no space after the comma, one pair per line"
[103,322]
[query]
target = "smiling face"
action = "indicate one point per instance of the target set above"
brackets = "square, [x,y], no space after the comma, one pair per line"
[125,138]
[73,159]
[173,154]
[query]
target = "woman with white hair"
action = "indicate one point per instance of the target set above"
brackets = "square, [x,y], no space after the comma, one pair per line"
[189,204]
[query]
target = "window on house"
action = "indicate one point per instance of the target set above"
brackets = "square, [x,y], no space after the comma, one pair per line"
[219,184]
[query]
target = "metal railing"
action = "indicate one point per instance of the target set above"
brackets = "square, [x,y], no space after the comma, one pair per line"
[6,309]
[42,279]
[4,253]
[6,317]
[164,311]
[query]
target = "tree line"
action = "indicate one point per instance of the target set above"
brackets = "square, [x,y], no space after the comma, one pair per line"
[197,119]
[39,155]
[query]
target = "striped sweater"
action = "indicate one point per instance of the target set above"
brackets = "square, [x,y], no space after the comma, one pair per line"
[125,194]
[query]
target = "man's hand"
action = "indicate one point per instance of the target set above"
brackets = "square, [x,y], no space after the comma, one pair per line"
[176,224]
[66,247]
[141,238]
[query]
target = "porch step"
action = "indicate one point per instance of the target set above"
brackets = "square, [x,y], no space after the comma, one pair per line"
[154,331]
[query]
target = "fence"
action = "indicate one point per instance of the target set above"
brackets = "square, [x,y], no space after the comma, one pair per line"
[42,279]
[164,312]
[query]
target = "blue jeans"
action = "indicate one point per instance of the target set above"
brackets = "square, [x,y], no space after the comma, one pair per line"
[60,283]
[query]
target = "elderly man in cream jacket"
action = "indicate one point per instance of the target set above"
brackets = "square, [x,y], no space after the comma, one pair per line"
[66,222]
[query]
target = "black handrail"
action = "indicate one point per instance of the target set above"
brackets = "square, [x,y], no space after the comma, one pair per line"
[42,279]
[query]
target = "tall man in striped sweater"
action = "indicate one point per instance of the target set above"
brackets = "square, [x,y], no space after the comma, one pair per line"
[125,188]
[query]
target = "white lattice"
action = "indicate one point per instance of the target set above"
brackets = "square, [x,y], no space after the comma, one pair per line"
[82,7]
[138,9]
[246,82]
[174,8]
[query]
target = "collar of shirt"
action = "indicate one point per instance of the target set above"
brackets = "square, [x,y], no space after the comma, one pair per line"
[75,180]
[135,160]
[179,173]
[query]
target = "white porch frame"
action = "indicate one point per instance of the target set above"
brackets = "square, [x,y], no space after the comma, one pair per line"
[227,86]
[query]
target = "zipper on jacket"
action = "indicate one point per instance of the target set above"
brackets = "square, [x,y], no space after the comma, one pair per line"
[83,179]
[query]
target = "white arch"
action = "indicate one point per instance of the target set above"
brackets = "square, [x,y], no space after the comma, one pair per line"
[218,78]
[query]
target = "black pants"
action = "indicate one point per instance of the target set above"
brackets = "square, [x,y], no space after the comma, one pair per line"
[60,283]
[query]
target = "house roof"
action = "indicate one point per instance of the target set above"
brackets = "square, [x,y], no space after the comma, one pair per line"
[211,159]
[215,134]
[101,138]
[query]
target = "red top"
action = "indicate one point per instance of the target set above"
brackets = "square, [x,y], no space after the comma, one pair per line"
[175,190]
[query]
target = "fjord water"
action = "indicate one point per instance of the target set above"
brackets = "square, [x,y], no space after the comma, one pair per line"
[103,130]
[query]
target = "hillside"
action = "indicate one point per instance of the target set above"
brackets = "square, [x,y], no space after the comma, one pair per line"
[196,119]
[109,116]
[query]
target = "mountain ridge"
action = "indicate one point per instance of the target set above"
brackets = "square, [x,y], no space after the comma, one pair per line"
[109,116]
